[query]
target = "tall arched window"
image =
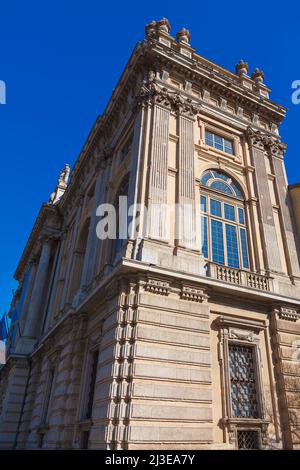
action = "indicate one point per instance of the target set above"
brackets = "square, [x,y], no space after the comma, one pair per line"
[223,221]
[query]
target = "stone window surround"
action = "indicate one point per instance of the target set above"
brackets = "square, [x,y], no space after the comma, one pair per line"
[243,332]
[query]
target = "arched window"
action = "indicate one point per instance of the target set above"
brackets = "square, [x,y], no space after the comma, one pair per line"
[223,221]
[118,244]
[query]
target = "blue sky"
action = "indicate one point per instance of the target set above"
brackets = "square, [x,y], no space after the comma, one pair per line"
[61,59]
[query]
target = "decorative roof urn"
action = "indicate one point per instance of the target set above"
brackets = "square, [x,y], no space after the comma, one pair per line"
[258,76]
[183,35]
[150,28]
[163,26]
[242,68]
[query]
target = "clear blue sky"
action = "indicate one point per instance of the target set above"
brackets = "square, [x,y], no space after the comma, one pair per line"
[61,59]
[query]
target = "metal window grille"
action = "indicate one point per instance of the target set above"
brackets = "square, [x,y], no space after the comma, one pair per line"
[244,401]
[247,440]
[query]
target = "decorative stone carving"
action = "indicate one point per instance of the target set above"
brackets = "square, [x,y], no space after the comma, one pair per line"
[61,185]
[245,335]
[288,313]
[193,294]
[150,93]
[242,68]
[157,287]
[266,142]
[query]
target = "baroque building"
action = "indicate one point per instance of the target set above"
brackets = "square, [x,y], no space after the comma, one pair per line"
[164,341]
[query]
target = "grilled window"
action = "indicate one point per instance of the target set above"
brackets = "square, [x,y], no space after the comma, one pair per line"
[248,440]
[243,383]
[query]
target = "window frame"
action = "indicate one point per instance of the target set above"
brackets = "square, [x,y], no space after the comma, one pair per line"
[244,333]
[213,194]
[224,138]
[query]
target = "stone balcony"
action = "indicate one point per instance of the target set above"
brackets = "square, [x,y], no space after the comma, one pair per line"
[240,277]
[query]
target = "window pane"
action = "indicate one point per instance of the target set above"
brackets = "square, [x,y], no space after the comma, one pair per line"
[204,236]
[215,208]
[220,186]
[229,212]
[228,146]
[232,246]
[244,248]
[220,176]
[241,216]
[207,175]
[217,241]
[218,142]
[244,402]
[209,139]
[203,203]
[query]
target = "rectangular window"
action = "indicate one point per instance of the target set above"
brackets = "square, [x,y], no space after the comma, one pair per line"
[229,212]
[232,246]
[218,142]
[91,390]
[241,216]
[203,203]
[204,236]
[245,259]
[243,386]
[215,208]
[217,242]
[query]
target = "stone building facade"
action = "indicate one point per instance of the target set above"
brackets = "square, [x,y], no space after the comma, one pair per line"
[162,342]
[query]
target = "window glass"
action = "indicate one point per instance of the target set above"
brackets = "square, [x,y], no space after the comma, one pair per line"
[229,212]
[232,246]
[215,208]
[204,236]
[217,241]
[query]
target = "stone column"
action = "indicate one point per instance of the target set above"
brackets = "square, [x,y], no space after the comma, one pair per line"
[33,269]
[56,274]
[136,191]
[289,230]
[267,225]
[101,198]
[34,313]
[71,251]
[186,214]
[90,254]
[157,195]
